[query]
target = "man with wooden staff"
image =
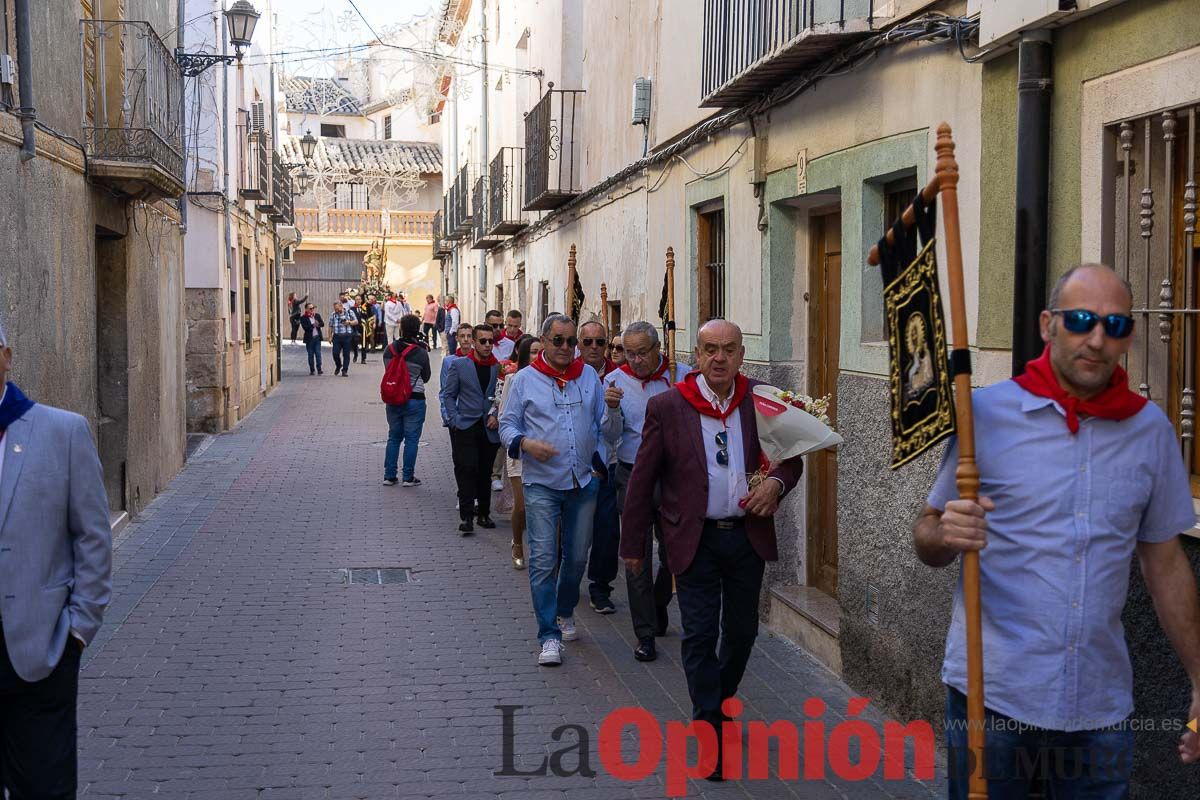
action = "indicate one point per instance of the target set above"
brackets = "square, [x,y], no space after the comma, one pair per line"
[1078,474]
[700,444]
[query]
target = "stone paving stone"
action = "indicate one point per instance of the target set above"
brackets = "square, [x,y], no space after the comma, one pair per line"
[236,663]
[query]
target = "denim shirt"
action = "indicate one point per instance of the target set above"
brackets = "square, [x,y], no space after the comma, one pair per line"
[567,418]
[1070,510]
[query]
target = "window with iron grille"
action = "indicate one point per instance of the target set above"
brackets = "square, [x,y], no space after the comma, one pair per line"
[247,306]
[387,127]
[710,264]
[1152,242]
[350,195]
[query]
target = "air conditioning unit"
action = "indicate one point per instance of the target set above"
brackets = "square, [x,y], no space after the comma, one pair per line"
[289,254]
[1001,22]
[289,235]
[641,101]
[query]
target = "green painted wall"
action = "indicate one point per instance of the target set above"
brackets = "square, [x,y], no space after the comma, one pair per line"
[1129,34]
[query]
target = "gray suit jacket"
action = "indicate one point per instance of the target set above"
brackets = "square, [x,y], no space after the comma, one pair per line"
[55,539]
[463,404]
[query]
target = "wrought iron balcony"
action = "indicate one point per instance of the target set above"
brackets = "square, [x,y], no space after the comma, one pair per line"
[751,46]
[132,125]
[463,208]
[552,149]
[483,238]
[441,245]
[256,169]
[506,178]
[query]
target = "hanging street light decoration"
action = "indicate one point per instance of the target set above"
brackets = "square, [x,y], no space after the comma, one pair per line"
[240,21]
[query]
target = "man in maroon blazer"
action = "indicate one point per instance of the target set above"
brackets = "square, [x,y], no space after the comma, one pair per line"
[700,443]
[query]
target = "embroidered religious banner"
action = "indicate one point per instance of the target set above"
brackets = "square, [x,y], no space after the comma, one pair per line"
[921,396]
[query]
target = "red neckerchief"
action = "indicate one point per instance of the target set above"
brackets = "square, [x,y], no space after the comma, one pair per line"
[463,353]
[561,377]
[474,356]
[520,333]
[452,305]
[501,336]
[659,374]
[1116,402]
[691,392]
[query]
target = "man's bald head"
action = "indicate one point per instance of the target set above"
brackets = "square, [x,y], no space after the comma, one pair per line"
[719,354]
[721,328]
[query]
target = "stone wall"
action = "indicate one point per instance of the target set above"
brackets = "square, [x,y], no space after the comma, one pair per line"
[205,360]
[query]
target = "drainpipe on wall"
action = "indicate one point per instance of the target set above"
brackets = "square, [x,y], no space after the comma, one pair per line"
[275,230]
[483,157]
[26,113]
[1033,194]
[456,286]
[181,15]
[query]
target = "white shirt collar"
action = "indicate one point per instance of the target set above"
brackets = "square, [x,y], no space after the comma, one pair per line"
[711,396]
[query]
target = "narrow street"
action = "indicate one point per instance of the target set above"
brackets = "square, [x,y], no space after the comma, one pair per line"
[235,661]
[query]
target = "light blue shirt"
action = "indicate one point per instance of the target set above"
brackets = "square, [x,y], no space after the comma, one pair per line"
[623,425]
[568,418]
[1070,510]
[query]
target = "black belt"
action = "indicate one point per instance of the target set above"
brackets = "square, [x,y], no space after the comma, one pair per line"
[730,524]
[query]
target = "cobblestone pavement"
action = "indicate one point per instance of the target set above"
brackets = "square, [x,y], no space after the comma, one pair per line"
[235,663]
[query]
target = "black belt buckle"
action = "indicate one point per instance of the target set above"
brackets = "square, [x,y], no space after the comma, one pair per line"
[727,524]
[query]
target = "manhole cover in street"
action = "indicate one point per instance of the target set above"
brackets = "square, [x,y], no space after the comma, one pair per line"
[376,576]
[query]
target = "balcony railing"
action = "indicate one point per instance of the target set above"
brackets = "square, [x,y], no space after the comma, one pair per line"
[482,239]
[552,149]
[131,111]
[506,183]
[441,245]
[256,171]
[463,208]
[364,222]
[751,46]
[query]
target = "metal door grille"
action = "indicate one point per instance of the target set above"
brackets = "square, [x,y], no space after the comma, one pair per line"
[1153,244]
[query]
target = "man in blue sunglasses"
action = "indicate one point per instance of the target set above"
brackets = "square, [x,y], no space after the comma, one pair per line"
[1078,474]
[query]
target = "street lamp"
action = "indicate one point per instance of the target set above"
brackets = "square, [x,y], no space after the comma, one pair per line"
[303,180]
[308,145]
[240,20]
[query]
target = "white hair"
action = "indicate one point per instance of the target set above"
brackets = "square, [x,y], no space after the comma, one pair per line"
[642,329]
[555,319]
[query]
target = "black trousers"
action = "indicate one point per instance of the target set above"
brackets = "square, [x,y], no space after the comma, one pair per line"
[649,592]
[718,597]
[473,453]
[341,351]
[295,327]
[430,330]
[38,730]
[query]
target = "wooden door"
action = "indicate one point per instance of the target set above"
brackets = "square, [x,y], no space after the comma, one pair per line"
[824,314]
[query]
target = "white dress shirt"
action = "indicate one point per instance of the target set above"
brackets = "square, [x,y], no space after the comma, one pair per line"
[726,484]
[502,349]
[3,435]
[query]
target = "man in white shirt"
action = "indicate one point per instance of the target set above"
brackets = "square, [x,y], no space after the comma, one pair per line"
[393,310]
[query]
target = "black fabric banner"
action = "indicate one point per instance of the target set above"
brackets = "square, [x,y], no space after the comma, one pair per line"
[922,398]
[576,300]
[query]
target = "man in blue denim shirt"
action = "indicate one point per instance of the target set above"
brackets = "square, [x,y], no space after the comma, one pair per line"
[1078,474]
[551,421]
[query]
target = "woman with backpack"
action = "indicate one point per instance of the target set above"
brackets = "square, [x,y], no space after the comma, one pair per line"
[406,369]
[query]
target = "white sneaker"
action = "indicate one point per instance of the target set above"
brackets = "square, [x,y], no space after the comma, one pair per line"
[567,626]
[497,485]
[551,655]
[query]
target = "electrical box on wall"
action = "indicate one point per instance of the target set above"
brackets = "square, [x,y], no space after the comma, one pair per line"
[8,70]
[641,101]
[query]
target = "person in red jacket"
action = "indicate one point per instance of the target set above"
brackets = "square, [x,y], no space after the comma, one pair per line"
[700,444]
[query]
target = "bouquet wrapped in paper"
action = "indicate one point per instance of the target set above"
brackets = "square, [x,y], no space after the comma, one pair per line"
[792,424]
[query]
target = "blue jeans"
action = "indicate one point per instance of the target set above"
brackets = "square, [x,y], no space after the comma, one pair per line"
[404,425]
[1079,765]
[314,355]
[545,509]
[606,539]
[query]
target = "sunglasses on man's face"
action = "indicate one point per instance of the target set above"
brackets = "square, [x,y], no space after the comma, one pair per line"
[559,341]
[483,341]
[722,440]
[593,342]
[1080,320]
[496,325]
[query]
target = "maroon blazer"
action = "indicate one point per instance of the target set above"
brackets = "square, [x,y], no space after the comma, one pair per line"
[672,455]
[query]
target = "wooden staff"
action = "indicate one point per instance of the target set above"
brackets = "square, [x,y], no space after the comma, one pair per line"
[604,308]
[570,310]
[945,183]
[671,313]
